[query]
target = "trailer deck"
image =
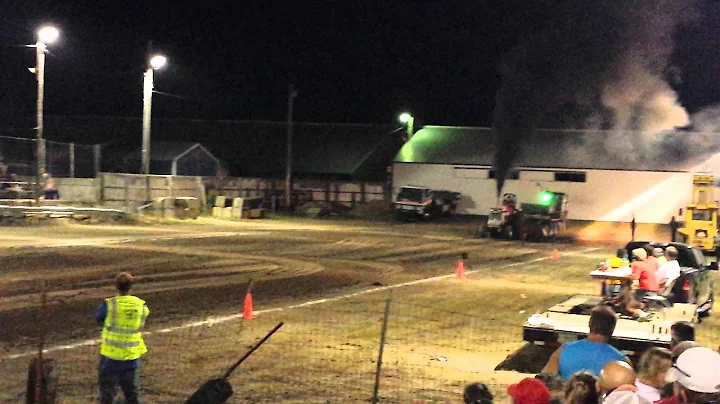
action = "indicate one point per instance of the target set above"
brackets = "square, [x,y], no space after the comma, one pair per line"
[568,321]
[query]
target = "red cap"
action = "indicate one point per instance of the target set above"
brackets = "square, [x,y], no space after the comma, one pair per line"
[529,391]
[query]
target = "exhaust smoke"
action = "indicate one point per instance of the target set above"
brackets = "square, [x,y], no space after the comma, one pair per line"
[595,64]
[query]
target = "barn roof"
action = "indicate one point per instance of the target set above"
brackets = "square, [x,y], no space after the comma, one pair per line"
[169,151]
[565,149]
[360,151]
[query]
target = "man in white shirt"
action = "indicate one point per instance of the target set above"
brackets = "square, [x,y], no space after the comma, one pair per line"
[669,271]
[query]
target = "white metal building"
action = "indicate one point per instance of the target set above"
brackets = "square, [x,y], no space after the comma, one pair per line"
[608,176]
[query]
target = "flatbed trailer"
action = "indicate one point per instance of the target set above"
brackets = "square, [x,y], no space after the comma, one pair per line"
[568,321]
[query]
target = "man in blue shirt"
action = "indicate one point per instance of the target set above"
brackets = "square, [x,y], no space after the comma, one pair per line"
[589,354]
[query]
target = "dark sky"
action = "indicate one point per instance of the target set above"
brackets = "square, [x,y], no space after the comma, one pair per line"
[351,61]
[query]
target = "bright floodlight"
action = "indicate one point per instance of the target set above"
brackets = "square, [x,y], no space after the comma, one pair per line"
[157,61]
[546,197]
[48,34]
[405,117]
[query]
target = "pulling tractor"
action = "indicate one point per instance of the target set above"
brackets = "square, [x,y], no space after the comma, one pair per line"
[533,221]
[700,227]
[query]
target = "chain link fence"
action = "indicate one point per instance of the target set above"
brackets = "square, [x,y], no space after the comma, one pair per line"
[324,353]
[371,348]
[64,160]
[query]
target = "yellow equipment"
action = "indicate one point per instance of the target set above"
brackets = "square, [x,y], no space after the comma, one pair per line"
[700,219]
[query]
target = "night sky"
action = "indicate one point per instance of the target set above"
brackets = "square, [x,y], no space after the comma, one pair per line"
[351,61]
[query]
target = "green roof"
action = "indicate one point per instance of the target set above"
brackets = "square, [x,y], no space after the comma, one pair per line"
[565,149]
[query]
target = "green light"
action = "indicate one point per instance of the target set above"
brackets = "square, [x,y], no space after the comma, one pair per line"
[405,117]
[546,197]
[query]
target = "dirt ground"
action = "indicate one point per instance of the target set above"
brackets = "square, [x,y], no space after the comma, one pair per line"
[327,280]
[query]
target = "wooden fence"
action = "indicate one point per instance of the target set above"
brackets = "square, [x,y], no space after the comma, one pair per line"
[273,191]
[130,191]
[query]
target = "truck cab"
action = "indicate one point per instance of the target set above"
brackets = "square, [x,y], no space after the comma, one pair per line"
[413,201]
[424,203]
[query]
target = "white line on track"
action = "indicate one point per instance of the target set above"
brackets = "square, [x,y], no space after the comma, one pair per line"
[218,320]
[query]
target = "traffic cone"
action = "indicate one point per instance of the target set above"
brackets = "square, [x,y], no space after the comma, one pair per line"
[248,307]
[460,271]
[555,255]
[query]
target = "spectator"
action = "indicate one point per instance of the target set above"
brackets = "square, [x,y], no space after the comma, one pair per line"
[620,259]
[644,273]
[659,255]
[670,271]
[681,331]
[529,391]
[49,190]
[625,397]
[627,303]
[696,377]
[651,258]
[555,384]
[15,188]
[677,350]
[477,393]
[616,375]
[591,353]
[651,369]
[582,389]
[4,177]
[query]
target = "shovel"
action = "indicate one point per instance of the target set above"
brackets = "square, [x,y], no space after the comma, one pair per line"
[218,391]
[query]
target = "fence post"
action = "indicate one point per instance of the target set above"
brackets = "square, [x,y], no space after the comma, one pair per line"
[126,196]
[378,368]
[72,160]
[97,149]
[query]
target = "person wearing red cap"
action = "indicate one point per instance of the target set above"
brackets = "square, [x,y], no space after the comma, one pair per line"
[529,391]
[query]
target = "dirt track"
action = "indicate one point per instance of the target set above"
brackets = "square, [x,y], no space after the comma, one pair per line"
[187,270]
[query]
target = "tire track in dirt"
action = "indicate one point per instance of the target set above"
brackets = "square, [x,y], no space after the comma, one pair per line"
[218,320]
[236,269]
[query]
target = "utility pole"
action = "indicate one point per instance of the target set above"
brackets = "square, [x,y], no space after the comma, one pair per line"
[40,142]
[292,93]
[154,62]
[147,114]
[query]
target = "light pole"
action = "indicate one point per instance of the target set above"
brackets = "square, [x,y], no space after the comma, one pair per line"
[408,120]
[155,62]
[292,93]
[45,35]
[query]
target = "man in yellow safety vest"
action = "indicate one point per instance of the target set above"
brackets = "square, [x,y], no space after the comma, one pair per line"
[122,345]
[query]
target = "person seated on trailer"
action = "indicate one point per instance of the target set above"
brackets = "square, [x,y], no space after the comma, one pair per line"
[620,260]
[659,255]
[670,271]
[650,257]
[643,272]
[626,303]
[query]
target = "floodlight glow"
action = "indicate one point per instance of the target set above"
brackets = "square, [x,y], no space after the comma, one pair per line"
[405,117]
[158,61]
[546,197]
[48,34]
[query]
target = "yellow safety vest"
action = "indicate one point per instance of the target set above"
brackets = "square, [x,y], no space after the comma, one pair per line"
[121,336]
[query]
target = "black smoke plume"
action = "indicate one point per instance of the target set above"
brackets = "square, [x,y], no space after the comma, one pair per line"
[593,64]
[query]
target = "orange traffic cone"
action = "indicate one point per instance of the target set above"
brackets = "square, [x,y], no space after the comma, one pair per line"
[555,255]
[248,307]
[460,271]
